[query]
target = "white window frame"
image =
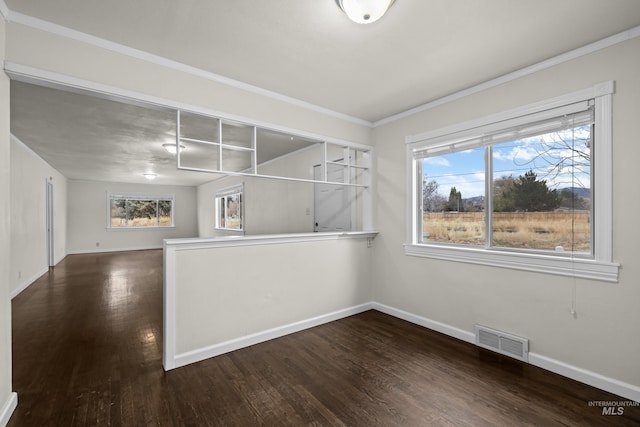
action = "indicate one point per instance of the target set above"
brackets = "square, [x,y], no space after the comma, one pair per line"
[141,196]
[600,267]
[236,189]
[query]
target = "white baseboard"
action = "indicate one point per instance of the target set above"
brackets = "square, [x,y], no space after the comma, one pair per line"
[427,323]
[246,341]
[626,390]
[24,285]
[593,379]
[7,409]
[103,250]
[59,259]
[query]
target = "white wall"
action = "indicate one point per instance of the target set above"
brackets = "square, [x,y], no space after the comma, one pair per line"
[604,337]
[232,294]
[29,175]
[44,51]
[87,217]
[7,399]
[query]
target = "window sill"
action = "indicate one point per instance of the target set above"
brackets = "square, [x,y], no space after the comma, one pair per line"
[540,263]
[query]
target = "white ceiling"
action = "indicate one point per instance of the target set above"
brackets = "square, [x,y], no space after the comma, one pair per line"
[420,51]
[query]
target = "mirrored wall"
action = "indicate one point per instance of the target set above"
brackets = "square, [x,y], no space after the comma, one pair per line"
[209,144]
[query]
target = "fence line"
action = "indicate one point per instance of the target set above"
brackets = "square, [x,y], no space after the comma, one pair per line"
[580,216]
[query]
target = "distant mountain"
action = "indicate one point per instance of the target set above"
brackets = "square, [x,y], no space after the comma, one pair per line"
[578,191]
[477,200]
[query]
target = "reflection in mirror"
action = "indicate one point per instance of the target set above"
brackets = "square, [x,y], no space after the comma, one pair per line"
[335,153]
[295,155]
[360,158]
[195,126]
[237,134]
[358,176]
[225,146]
[236,160]
[198,155]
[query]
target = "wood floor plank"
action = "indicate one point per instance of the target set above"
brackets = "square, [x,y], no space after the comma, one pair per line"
[87,351]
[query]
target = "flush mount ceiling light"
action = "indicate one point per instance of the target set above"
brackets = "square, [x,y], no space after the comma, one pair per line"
[150,175]
[364,11]
[172,148]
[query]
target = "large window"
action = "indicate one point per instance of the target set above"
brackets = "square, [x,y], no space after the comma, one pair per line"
[138,211]
[520,189]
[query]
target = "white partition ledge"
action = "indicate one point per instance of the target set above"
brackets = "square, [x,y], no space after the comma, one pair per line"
[222,294]
[264,239]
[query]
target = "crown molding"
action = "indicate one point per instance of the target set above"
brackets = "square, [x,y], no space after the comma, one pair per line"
[532,69]
[62,31]
[69,33]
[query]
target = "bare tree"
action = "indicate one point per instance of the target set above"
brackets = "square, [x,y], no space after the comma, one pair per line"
[564,156]
[431,200]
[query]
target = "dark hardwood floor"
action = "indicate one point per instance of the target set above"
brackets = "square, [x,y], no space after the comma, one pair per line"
[87,351]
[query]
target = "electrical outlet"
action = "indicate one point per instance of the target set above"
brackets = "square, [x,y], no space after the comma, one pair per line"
[97,244]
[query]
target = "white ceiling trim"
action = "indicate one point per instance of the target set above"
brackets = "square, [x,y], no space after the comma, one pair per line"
[50,79]
[62,31]
[158,60]
[556,60]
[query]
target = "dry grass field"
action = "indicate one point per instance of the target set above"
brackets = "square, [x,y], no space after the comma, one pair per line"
[526,230]
[165,221]
[232,223]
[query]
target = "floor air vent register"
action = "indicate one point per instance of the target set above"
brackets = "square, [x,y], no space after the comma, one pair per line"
[503,343]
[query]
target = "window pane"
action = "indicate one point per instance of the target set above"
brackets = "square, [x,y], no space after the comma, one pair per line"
[233,209]
[164,213]
[118,213]
[453,193]
[542,192]
[142,213]
[229,211]
[131,213]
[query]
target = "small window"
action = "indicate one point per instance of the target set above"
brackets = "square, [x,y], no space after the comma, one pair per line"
[229,208]
[528,189]
[139,211]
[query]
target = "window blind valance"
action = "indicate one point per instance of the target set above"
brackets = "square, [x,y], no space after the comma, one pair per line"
[517,128]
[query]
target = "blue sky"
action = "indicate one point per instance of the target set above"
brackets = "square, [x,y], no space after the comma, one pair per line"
[465,169]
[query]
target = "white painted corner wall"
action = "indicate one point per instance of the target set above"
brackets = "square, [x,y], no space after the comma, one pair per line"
[600,341]
[29,177]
